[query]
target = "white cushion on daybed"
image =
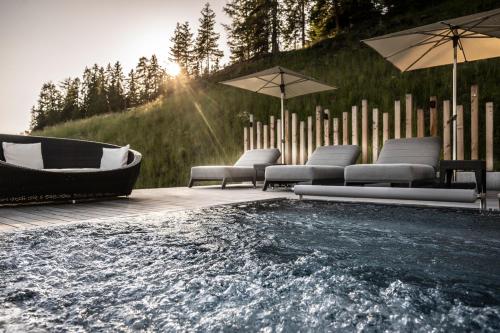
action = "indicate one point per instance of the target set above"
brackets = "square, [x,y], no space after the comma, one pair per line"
[28,155]
[114,158]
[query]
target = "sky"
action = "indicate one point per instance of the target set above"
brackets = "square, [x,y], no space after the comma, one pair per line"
[49,40]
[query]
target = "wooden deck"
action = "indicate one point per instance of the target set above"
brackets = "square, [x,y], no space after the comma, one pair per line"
[162,200]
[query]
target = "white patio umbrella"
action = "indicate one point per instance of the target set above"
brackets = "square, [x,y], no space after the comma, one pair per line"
[462,39]
[279,82]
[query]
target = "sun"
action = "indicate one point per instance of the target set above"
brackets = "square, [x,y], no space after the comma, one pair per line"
[173,69]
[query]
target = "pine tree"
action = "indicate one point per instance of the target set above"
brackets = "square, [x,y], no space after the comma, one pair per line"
[70,100]
[132,98]
[207,49]
[48,109]
[94,92]
[143,80]
[115,90]
[156,76]
[181,49]
[295,22]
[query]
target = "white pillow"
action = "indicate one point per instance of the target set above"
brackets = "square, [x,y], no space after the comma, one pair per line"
[114,158]
[28,155]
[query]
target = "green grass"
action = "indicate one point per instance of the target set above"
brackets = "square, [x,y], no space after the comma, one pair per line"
[201,122]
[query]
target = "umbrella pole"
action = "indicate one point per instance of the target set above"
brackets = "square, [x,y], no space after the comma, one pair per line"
[455,44]
[282,128]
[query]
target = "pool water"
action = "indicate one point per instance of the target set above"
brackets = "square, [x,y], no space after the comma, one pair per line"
[271,266]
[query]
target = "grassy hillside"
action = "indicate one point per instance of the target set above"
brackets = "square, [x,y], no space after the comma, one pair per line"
[201,122]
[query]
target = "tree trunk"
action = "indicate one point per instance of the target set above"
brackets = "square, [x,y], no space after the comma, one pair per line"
[337,13]
[303,22]
[274,33]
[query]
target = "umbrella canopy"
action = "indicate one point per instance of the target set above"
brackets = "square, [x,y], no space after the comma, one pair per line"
[279,82]
[462,39]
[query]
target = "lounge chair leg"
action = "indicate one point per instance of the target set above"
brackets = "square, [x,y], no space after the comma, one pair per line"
[223,185]
[254,182]
[265,186]
[410,184]
[191,182]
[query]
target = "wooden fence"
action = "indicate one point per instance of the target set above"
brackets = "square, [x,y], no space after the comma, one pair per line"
[303,136]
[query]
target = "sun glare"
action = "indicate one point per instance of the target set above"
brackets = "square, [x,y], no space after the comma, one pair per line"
[173,69]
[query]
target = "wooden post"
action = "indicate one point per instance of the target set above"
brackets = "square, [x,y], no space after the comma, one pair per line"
[420,123]
[288,142]
[310,137]
[278,136]
[433,116]
[252,132]
[474,122]
[245,139]
[385,127]
[409,115]
[354,129]
[397,119]
[364,131]
[266,136]
[295,155]
[326,127]
[489,136]
[272,132]
[335,131]
[446,131]
[374,135]
[345,128]
[259,135]
[460,132]
[302,139]
[319,124]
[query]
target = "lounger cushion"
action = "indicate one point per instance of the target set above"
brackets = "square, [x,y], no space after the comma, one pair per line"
[258,156]
[28,155]
[215,172]
[73,170]
[389,173]
[334,155]
[411,151]
[299,173]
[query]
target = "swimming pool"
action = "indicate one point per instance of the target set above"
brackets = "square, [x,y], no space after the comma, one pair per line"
[280,265]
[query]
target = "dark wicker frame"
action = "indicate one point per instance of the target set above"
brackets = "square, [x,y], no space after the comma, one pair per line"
[20,185]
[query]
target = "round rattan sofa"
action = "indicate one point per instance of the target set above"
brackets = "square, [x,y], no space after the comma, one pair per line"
[19,184]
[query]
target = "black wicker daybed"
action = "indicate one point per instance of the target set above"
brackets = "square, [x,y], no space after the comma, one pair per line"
[79,178]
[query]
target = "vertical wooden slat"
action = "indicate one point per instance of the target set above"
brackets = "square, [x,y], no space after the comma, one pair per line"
[302,139]
[397,119]
[272,132]
[345,128]
[354,123]
[489,136]
[433,116]
[446,131]
[385,127]
[336,131]
[374,135]
[319,124]
[409,116]
[310,137]
[460,132]
[364,131]
[252,132]
[278,136]
[420,123]
[259,135]
[288,141]
[474,122]
[326,127]
[295,155]
[246,145]
[266,136]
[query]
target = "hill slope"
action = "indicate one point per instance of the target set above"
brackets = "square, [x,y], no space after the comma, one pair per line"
[201,122]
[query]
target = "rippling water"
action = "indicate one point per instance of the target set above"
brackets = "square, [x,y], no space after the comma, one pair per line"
[273,266]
